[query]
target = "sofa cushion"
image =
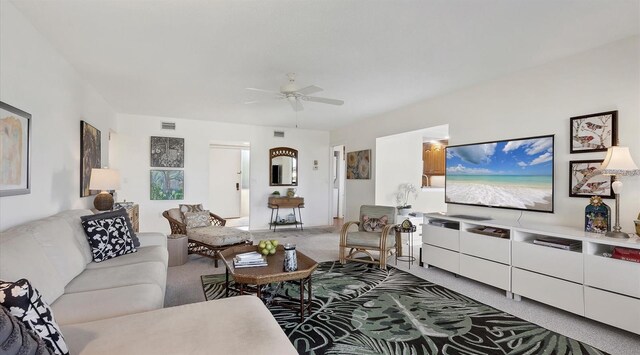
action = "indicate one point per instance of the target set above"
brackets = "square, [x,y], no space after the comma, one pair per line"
[15,338]
[197,219]
[21,256]
[26,304]
[55,238]
[109,237]
[189,208]
[120,212]
[144,254]
[218,236]
[235,325]
[368,239]
[154,272]
[89,306]
[72,217]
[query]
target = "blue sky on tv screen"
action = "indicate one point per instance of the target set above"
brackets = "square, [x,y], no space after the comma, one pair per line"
[514,157]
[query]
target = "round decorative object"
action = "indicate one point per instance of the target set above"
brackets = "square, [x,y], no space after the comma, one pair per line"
[406,224]
[595,200]
[103,201]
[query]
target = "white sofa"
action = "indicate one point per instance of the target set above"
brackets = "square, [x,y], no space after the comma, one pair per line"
[104,308]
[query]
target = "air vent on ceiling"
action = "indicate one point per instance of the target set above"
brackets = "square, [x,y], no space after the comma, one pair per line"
[169,125]
[279,134]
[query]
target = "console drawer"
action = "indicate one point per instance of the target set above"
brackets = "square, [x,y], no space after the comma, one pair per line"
[484,246]
[612,274]
[442,258]
[554,262]
[613,309]
[558,293]
[489,272]
[442,237]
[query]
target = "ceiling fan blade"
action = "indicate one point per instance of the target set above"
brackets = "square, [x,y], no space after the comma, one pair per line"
[262,90]
[323,100]
[261,101]
[311,89]
[296,105]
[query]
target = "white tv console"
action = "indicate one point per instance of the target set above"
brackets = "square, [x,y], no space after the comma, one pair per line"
[579,281]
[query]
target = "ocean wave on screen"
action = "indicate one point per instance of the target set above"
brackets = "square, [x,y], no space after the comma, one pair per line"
[503,196]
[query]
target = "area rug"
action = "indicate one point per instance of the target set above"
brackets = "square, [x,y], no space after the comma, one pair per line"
[360,309]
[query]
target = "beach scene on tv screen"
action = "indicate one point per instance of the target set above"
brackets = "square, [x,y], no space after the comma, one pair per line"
[511,174]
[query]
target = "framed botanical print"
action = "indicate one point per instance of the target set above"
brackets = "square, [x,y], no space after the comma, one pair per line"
[167,152]
[15,143]
[359,164]
[167,185]
[585,179]
[594,133]
[90,156]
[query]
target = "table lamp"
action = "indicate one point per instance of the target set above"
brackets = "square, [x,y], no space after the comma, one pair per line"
[617,163]
[103,180]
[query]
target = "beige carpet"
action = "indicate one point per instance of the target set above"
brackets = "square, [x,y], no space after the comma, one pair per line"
[184,286]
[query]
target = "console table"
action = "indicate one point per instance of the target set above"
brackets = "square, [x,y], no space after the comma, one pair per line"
[581,281]
[277,202]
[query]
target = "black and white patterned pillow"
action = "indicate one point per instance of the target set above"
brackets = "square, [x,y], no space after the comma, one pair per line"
[26,304]
[109,237]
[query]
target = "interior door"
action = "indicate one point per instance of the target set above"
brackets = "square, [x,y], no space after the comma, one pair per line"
[224,181]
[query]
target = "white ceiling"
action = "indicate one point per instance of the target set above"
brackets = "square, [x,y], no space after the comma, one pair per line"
[193,59]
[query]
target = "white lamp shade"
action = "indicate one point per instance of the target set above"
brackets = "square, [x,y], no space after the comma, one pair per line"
[619,162]
[104,179]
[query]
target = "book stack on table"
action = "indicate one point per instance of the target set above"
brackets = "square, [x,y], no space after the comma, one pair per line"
[250,259]
[565,244]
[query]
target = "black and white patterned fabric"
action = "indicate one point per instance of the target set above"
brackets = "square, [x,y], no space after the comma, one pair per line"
[15,338]
[120,212]
[109,237]
[25,303]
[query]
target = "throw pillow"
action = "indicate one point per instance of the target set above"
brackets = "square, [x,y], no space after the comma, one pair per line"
[16,338]
[26,304]
[370,224]
[121,212]
[197,219]
[190,208]
[108,237]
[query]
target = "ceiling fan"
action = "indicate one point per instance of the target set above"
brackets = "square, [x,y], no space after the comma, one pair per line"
[295,96]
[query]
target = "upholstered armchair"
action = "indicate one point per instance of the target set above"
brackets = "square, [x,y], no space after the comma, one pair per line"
[207,240]
[375,232]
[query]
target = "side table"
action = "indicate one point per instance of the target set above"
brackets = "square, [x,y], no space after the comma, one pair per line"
[409,228]
[177,245]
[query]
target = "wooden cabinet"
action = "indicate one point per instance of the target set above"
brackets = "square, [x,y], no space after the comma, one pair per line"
[134,216]
[278,202]
[433,159]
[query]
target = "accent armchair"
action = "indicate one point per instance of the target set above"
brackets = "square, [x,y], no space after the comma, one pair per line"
[207,241]
[376,232]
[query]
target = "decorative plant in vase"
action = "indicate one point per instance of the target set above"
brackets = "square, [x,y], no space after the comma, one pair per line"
[402,197]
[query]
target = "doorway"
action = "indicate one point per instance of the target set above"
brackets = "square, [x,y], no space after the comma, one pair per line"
[229,183]
[338,183]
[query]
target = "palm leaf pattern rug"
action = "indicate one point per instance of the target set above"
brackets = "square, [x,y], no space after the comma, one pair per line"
[360,309]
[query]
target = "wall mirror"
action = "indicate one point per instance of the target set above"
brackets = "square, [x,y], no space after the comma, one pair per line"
[283,166]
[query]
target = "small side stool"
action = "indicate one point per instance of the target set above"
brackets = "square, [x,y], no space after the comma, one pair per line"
[177,245]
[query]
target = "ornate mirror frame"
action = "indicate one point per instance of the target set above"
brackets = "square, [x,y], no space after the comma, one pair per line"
[283,152]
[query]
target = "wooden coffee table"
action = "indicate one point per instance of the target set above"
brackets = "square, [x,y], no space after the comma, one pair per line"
[254,279]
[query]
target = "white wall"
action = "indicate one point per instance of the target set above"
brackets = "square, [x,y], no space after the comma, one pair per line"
[35,78]
[399,161]
[133,160]
[533,102]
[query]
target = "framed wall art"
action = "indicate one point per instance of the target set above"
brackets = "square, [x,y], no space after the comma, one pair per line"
[90,156]
[359,164]
[594,133]
[167,152]
[15,143]
[167,184]
[585,180]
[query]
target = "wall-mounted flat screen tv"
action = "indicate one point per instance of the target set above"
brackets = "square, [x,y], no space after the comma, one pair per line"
[514,173]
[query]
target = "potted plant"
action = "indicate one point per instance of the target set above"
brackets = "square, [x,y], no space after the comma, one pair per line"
[402,197]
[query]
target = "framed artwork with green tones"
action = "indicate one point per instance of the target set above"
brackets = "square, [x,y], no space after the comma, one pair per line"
[167,184]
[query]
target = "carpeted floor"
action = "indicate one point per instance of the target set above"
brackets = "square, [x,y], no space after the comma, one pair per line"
[184,286]
[360,309]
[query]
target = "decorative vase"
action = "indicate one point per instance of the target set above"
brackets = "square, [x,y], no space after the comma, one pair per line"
[597,216]
[290,258]
[404,211]
[291,192]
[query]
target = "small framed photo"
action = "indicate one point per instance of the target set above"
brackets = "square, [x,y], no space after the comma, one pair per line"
[594,133]
[15,142]
[585,179]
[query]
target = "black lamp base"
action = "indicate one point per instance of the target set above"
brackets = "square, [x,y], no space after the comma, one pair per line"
[103,201]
